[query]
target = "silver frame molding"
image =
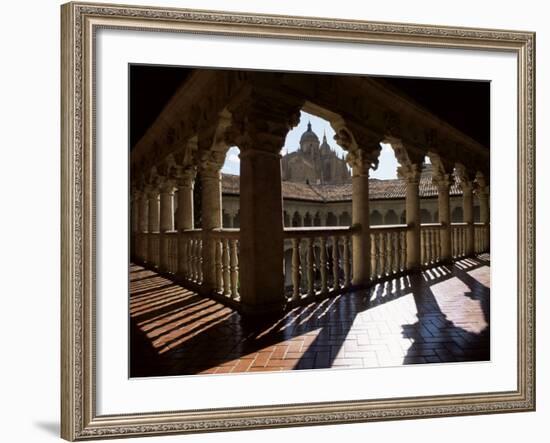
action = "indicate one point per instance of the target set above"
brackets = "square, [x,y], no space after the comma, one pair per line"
[79,21]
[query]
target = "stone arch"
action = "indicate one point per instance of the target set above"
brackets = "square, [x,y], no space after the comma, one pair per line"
[286,219]
[376,218]
[425,216]
[457,216]
[390,218]
[345,219]
[226,220]
[332,220]
[477,216]
[296,220]
[317,219]
[308,219]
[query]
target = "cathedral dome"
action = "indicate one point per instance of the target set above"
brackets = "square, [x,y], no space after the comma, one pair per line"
[309,136]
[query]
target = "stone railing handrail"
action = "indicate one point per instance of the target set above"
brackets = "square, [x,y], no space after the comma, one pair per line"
[316,231]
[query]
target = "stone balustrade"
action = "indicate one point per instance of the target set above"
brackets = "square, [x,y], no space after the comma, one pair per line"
[481,237]
[459,233]
[190,260]
[388,250]
[318,261]
[430,244]
[321,262]
[226,262]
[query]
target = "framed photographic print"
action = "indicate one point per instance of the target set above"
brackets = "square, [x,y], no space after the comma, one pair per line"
[280,221]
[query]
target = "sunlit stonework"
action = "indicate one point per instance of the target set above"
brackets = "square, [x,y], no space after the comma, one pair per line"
[303,261]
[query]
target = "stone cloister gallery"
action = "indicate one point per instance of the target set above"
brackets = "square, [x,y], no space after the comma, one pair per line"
[274,280]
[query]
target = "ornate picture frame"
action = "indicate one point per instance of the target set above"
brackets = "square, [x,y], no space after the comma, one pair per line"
[80,22]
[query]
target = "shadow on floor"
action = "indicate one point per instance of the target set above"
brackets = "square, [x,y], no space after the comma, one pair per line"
[176,332]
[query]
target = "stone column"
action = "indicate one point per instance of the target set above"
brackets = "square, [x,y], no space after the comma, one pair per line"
[410,160]
[143,221]
[134,211]
[134,222]
[483,195]
[143,217]
[361,161]
[443,184]
[153,222]
[185,199]
[468,202]
[261,227]
[467,185]
[412,214]
[166,222]
[185,217]
[211,196]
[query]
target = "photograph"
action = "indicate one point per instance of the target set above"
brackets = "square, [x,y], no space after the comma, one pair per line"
[274,220]
[284,221]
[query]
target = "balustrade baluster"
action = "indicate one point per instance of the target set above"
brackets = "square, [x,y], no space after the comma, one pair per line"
[323,265]
[347,262]
[218,265]
[389,253]
[335,264]
[310,268]
[431,245]
[373,258]
[199,259]
[192,262]
[439,245]
[403,251]
[225,268]
[382,252]
[480,240]
[396,252]
[458,242]
[453,239]
[295,268]
[234,269]
[194,259]
[423,246]
[436,245]
[182,256]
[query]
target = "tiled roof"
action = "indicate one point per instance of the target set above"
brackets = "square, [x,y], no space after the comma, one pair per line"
[378,189]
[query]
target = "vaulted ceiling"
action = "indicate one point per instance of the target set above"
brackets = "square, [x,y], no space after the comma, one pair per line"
[463,104]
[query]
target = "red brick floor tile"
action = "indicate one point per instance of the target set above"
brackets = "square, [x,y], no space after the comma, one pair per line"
[438,316]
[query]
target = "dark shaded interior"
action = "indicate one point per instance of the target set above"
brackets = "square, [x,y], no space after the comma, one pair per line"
[462,103]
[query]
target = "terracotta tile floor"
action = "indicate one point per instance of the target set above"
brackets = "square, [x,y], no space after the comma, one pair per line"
[440,315]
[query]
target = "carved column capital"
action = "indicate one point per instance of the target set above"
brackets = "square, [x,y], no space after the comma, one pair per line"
[410,161]
[361,160]
[481,188]
[210,163]
[185,176]
[261,121]
[167,186]
[441,172]
[465,177]
[152,190]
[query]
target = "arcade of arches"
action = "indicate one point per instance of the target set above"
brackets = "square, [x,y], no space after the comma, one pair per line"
[273,250]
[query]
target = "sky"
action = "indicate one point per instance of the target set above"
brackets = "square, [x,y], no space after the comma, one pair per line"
[387,168]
